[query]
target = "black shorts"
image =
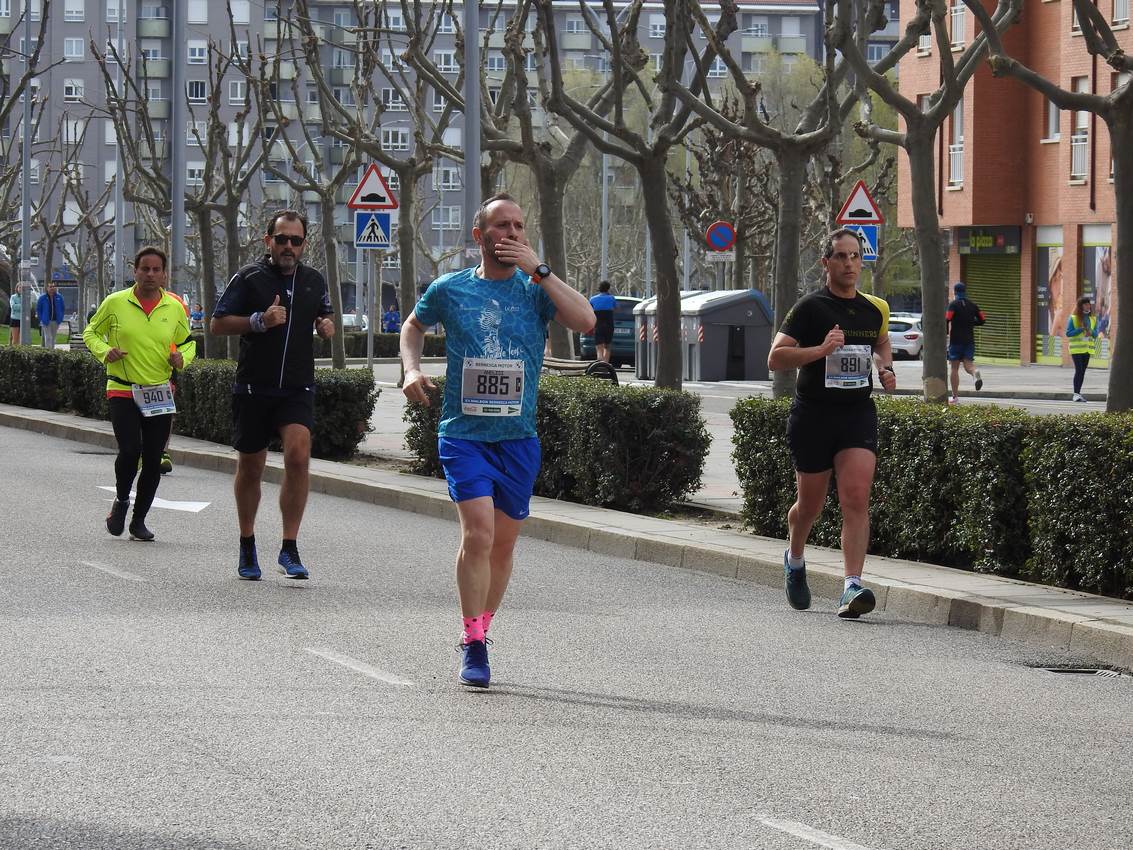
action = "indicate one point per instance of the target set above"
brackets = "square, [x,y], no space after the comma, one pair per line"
[603,333]
[257,418]
[817,432]
[14,322]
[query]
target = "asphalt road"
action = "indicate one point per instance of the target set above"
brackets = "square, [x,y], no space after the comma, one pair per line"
[151,700]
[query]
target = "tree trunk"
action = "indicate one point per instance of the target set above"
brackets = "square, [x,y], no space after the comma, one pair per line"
[934,284]
[792,178]
[203,217]
[654,184]
[1120,397]
[231,218]
[550,189]
[408,215]
[334,287]
[738,267]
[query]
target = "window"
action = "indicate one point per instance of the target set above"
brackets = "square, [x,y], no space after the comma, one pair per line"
[198,52]
[109,170]
[1080,137]
[195,173]
[237,92]
[109,134]
[238,135]
[1121,11]
[446,178]
[712,21]
[394,20]
[395,140]
[150,11]
[33,7]
[656,26]
[956,146]
[958,19]
[73,129]
[74,10]
[150,54]
[446,26]
[394,183]
[924,44]
[439,101]
[273,168]
[241,11]
[755,63]
[33,173]
[575,26]
[343,94]
[1052,130]
[496,62]
[789,60]
[342,58]
[757,26]
[446,217]
[790,25]
[393,101]
[6,8]
[198,11]
[242,49]
[494,94]
[717,69]
[72,91]
[198,91]
[196,133]
[73,49]
[874,53]
[312,94]
[658,60]
[74,173]
[445,60]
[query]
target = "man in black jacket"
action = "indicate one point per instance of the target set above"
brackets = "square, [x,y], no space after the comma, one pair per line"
[273,304]
[963,316]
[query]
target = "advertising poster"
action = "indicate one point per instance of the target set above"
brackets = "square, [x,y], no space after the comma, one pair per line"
[1050,304]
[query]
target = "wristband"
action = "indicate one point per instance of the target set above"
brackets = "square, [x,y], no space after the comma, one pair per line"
[887,369]
[256,320]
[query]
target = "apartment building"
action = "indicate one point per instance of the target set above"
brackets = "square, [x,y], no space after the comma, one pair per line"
[1024,189]
[73,90]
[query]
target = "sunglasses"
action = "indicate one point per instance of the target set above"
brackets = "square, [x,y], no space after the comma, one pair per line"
[295,241]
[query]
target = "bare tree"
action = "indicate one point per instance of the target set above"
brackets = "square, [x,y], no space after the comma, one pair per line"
[1116,109]
[922,122]
[88,252]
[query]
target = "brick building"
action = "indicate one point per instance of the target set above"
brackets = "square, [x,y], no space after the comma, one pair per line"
[1025,190]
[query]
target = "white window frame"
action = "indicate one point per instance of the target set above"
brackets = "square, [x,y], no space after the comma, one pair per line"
[74,49]
[790,26]
[446,25]
[109,134]
[1120,12]
[198,52]
[74,11]
[5,8]
[198,11]
[392,100]
[73,90]
[241,12]
[445,217]
[237,92]
[445,60]
[496,62]
[192,85]
[195,172]
[395,139]
[446,178]
[657,26]
[439,101]
[758,26]
[574,25]
[1052,121]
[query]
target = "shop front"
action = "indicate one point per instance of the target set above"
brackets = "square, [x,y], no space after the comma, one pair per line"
[991,267]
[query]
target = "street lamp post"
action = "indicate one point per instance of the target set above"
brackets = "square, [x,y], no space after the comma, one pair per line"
[25,204]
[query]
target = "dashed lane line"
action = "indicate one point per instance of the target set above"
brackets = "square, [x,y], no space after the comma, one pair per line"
[815,836]
[358,666]
[114,571]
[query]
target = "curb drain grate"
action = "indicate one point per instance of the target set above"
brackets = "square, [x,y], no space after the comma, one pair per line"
[1085,671]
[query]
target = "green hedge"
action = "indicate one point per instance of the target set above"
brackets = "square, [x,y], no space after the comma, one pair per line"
[75,381]
[983,488]
[629,448]
[385,345]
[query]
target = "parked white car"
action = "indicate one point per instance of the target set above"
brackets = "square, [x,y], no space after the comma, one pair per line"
[905,336]
[350,322]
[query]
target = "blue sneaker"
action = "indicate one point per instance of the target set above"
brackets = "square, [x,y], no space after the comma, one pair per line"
[249,566]
[474,669]
[857,600]
[291,566]
[798,592]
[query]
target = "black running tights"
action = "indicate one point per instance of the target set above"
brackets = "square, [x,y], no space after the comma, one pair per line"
[138,437]
[1081,361]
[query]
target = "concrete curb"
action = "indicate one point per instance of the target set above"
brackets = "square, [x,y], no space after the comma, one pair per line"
[1045,617]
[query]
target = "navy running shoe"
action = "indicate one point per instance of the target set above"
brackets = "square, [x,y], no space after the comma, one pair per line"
[249,566]
[857,600]
[798,591]
[474,669]
[291,566]
[116,519]
[138,531]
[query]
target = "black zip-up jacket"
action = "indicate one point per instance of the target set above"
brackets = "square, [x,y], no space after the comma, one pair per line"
[283,357]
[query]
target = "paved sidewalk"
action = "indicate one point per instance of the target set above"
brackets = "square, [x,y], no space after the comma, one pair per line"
[1066,622]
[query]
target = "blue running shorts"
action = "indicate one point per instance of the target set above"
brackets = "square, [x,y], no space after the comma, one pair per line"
[505,470]
[961,351]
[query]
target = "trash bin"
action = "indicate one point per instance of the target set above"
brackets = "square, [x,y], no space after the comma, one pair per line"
[645,329]
[727,335]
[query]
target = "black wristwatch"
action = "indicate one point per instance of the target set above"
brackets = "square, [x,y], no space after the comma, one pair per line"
[541,271]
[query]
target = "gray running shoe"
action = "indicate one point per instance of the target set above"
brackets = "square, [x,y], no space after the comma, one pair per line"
[857,600]
[798,593]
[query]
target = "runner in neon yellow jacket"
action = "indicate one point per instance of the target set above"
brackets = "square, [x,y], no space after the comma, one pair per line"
[142,335]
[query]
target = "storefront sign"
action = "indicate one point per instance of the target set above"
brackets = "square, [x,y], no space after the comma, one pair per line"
[988,240]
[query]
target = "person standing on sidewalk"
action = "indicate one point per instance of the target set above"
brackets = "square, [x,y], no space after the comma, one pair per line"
[142,335]
[1082,337]
[49,307]
[16,307]
[495,317]
[963,316]
[834,337]
[273,304]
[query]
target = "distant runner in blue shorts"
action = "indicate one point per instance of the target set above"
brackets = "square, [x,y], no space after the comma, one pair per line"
[495,318]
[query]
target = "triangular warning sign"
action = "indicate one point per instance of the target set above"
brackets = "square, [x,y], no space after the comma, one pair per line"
[860,208]
[373,192]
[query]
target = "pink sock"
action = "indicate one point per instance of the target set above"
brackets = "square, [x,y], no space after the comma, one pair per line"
[473,629]
[486,619]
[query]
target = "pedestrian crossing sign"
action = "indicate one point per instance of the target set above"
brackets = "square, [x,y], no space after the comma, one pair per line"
[869,234]
[371,229]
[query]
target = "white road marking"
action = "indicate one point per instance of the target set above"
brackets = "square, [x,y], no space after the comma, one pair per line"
[809,833]
[168,504]
[358,666]
[112,571]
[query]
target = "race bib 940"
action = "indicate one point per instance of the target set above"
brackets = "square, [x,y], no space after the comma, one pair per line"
[849,367]
[155,399]
[491,387]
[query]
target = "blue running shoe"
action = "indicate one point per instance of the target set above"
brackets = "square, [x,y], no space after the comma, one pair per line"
[474,669]
[291,566]
[249,567]
[798,592]
[857,600]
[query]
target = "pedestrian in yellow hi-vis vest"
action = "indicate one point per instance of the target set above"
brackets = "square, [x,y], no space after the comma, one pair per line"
[1082,335]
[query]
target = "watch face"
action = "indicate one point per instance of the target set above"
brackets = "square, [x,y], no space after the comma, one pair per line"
[543,270]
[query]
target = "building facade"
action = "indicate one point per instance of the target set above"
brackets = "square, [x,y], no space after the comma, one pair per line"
[1024,189]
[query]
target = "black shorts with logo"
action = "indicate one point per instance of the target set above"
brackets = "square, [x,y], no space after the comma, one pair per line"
[257,416]
[816,432]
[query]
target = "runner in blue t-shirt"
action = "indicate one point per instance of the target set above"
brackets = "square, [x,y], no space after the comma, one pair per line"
[604,305]
[495,319]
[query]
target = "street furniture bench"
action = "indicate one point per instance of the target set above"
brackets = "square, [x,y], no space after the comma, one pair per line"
[580,368]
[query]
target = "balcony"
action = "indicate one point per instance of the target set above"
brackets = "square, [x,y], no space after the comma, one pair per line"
[157,108]
[344,233]
[155,69]
[311,197]
[155,152]
[286,71]
[339,155]
[277,191]
[5,25]
[342,76]
[756,44]
[1079,154]
[956,164]
[792,44]
[288,109]
[153,28]
[576,41]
